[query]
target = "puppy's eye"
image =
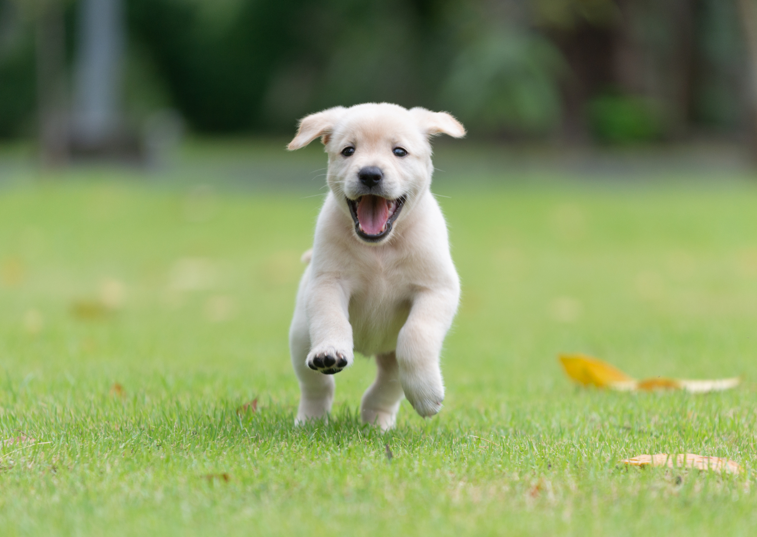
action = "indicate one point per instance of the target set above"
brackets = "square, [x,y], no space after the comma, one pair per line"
[348,151]
[399,152]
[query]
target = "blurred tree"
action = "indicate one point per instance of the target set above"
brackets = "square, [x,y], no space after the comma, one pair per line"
[217,58]
[97,126]
[52,106]
[17,95]
[749,20]
[505,78]
[45,18]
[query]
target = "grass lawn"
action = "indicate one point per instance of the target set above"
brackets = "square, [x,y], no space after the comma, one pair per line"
[136,320]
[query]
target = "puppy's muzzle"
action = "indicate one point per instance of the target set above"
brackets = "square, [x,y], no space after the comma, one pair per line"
[370,176]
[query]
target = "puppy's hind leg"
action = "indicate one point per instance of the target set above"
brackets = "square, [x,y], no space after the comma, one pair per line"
[382,400]
[317,390]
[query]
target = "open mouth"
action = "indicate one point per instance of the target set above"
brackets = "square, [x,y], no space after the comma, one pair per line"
[374,215]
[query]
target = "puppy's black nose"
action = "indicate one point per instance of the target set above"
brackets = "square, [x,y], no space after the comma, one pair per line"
[370,175]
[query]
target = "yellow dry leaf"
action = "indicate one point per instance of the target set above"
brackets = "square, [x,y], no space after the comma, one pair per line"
[89,309]
[687,460]
[11,272]
[706,386]
[117,390]
[691,386]
[220,477]
[659,383]
[589,371]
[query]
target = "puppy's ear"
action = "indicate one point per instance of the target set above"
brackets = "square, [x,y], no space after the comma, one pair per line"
[315,125]
[434,123]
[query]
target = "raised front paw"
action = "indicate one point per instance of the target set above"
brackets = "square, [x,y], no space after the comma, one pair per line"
[328,360]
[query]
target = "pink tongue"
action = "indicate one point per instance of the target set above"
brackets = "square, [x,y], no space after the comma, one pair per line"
[372,213]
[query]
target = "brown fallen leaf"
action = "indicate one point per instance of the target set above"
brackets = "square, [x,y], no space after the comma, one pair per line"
[659,383]
[687,460]
[249,407]
[588,371]
[117,390]
[221,477]
[89,310]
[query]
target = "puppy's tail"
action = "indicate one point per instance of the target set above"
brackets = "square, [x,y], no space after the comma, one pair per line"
[307,256]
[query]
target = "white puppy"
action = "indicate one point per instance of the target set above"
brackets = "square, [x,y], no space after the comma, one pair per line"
[381,279]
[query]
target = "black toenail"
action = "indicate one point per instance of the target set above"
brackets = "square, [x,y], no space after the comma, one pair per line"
[311,366]
[318,361]
[342,362]
[328,360]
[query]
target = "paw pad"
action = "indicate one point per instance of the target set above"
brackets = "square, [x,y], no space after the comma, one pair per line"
[327,363]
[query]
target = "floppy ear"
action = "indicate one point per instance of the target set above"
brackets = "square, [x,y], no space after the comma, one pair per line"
[315,125]
[434,123]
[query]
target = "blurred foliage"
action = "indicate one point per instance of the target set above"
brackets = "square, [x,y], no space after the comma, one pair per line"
[248,64]
[16,71]
[16,87]
[568,13]
[617,118]
[506,77]
[722,65]
[501,66]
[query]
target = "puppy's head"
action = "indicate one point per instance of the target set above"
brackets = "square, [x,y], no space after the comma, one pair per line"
[379,160]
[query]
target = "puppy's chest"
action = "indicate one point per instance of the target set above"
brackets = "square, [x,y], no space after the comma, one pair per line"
[379,305]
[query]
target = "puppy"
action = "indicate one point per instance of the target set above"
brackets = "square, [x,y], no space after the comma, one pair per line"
[381,279]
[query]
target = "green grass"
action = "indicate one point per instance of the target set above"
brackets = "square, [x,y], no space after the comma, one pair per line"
[657,280]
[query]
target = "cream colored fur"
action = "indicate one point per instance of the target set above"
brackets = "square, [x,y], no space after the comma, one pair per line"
[395,299]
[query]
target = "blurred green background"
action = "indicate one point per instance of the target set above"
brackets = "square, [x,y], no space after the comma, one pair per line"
[578,71]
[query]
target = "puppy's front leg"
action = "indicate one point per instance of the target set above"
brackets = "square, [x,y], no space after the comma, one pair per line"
[419,345]
[330,330]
